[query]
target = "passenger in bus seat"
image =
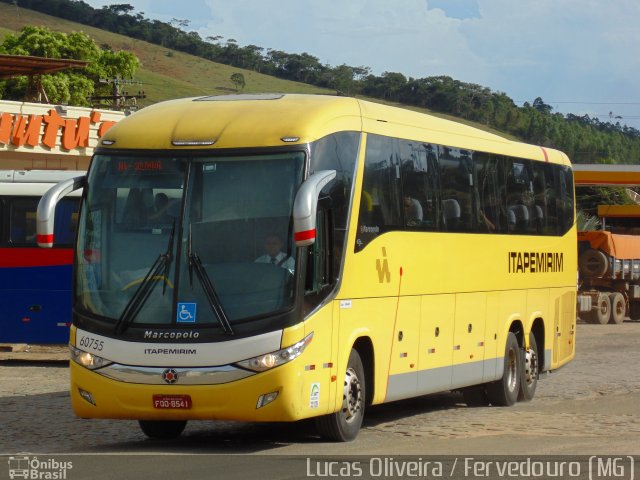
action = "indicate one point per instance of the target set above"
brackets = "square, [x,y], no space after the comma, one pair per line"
[412,211]
[273,246]
[521,217]
[160,209]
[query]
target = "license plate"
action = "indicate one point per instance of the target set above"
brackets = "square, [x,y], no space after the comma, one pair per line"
[172,401]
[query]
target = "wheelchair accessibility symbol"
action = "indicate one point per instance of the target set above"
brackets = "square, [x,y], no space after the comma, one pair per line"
[186,312]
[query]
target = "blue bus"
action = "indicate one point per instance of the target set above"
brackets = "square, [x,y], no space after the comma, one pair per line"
[35,283]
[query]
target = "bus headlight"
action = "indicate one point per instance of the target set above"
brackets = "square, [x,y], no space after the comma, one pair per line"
[275,359]
[86,359]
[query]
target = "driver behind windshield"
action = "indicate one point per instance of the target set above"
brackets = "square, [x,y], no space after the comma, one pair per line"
[273,246]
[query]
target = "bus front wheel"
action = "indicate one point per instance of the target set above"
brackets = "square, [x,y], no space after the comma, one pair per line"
[504,392]
[344,425]
[162,429]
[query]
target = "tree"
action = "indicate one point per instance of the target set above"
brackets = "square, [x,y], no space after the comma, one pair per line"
[71,87]
[238,80]
[542,107]
[120,9]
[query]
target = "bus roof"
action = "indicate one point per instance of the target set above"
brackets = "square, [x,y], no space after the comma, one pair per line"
[38,176]
[267,120]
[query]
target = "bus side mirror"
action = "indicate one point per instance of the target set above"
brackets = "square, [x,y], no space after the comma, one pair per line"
[45,215]
[305,207]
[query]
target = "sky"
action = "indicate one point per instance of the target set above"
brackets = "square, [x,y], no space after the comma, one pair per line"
[579,56]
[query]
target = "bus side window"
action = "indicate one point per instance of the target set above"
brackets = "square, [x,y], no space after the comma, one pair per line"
[519,196]
[420,186]
[491,209]
[565,187]
[380,203]
[318,275]
[458,190]
[22,220]
[546,215]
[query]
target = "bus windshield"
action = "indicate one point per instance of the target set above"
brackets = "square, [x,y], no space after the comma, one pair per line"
[188,240]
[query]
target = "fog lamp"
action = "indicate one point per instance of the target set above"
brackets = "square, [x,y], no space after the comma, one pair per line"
[266,399]
[87,396]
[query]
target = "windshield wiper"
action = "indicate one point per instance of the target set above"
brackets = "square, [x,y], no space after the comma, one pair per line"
[167,263]
[141,295]
[207,286]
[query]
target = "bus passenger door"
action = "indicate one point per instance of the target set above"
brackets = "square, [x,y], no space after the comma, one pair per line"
[403,366]
[318,390]
[469,339]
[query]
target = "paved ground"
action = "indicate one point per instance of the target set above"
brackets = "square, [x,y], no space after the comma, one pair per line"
[591,406]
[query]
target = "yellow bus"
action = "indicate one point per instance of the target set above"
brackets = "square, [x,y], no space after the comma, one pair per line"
[282,257]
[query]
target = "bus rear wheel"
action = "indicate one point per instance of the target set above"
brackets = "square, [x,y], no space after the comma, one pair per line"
[344,425]
[530,370]
[162,429]
[504,392]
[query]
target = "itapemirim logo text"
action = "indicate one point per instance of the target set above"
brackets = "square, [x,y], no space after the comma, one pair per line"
[38,469]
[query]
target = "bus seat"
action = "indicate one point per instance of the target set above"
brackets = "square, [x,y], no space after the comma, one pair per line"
[539,218]
[511,220]
[451,212]
[521,214]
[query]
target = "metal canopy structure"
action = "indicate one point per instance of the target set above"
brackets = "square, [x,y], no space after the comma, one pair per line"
[16,65]
[34,67]
[618,218]
[596,175]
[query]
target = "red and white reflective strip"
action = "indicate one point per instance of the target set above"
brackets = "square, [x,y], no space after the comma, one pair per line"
[305,235]
[45,240]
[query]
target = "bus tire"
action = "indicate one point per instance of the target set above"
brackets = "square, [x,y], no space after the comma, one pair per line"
[530,370]
[618,308]
[634,310]
[162,429]
[602,310]
[344,425]
[504,392]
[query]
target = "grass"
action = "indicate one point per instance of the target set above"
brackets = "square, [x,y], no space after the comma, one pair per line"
[165,73]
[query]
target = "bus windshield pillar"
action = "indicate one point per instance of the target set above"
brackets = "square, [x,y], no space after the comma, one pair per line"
[306,205]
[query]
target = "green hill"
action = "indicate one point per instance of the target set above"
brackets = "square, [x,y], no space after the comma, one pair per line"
[165,73]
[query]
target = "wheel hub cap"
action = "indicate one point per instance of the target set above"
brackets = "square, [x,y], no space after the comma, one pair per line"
[352,395]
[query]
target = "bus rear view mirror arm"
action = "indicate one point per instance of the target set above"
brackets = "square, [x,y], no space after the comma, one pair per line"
[47,208]
[305,207]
